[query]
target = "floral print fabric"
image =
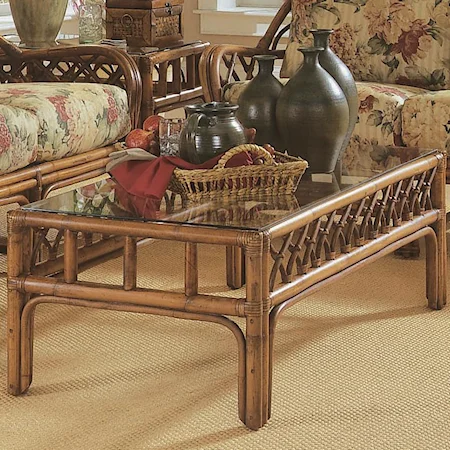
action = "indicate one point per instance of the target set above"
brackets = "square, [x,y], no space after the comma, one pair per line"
[18,138]
[72,118]
[380,107]
[389,41]
[426,120]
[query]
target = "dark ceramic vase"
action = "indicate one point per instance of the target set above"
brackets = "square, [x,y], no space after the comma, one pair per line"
[312,114]
[258,101]
[211,128]
[340,72]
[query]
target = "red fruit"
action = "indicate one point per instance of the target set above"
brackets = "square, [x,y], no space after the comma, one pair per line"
[139,138]
[151,123]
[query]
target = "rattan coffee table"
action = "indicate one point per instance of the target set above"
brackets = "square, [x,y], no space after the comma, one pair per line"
[292,246]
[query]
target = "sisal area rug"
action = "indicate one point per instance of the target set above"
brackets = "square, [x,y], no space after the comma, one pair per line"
[361,365]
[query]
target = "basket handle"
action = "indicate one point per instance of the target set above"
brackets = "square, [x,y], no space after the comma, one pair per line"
[254,149]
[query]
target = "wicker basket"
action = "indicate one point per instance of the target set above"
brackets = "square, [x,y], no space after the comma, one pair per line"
[278,174]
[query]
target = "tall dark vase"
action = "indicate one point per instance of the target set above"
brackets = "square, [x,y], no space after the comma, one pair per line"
[312,114]
[258,101]
[340,72]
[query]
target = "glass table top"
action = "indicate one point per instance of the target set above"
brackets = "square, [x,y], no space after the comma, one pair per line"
[109,200]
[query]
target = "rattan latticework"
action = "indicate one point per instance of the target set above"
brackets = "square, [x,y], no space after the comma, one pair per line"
[343,230]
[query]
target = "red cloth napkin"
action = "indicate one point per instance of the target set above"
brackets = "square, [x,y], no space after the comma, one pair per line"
[151,178]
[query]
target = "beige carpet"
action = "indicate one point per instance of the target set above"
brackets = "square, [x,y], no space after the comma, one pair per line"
[361,365]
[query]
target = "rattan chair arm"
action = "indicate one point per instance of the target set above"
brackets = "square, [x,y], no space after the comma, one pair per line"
[271,34]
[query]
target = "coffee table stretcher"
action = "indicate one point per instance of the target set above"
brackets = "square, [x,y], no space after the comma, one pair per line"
[265,301]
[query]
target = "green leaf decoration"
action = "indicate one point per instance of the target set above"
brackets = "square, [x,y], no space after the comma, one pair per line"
[337,13]
[436,34]
[377,46]
[356,3]
[392,64]
[387,128]
[375,118]
[438,77]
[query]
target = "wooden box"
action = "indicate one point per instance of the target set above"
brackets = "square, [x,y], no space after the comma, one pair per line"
[145,23]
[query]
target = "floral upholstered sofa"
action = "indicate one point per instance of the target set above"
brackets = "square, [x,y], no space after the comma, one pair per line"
[399,54]
[61,111]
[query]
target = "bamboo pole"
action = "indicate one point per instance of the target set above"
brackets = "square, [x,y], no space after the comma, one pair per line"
[16,299]
[130,264]
[440,227]
[255,416]
[235,267]
[204,304]
[190,269]
[70,256]
[432,270]
[266,306]
[28,318]
[157,230]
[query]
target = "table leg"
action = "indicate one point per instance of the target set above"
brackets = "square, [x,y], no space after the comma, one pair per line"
[147,105]
[440,228]
[19,240]
[257,334]
[235,267]
[191,269]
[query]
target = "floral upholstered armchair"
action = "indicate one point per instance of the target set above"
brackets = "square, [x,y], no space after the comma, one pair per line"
[397,50]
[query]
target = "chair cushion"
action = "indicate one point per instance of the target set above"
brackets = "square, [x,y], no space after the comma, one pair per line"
[380,106]
[18,138]
[73,118]
[379,124]
[426,120]
[389,41]
[379,121]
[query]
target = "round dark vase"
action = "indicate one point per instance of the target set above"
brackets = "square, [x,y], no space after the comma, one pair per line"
[211,128]
[340,72]
[312,114]
[258,101]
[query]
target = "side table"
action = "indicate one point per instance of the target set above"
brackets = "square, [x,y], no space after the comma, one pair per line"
[170,77]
